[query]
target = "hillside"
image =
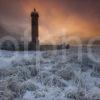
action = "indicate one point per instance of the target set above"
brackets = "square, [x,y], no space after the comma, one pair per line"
[55,76]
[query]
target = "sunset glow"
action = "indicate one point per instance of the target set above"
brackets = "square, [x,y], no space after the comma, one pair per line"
[57,17]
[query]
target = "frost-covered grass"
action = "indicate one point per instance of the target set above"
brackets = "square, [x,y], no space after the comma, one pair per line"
[56,76]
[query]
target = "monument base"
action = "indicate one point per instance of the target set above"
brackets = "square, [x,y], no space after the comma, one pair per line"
[33,46]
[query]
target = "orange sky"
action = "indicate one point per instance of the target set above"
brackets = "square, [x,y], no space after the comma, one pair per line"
[59,19]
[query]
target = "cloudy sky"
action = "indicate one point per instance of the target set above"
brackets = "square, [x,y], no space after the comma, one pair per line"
[58,18]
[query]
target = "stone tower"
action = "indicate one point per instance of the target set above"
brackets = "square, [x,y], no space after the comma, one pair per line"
[34,28]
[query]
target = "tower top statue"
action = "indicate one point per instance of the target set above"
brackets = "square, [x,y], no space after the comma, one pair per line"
[34,13]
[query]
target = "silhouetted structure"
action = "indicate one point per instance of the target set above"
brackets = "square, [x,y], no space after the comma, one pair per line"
[34,29]
[34,44]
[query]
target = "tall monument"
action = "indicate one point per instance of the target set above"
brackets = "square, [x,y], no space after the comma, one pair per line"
[34,29]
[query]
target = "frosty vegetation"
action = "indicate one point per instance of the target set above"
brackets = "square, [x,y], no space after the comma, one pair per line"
[54,77]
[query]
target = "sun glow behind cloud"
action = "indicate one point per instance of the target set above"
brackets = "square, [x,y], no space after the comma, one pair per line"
[58,19]
[54,19]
